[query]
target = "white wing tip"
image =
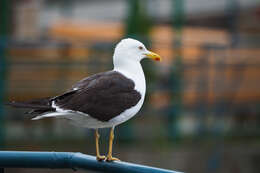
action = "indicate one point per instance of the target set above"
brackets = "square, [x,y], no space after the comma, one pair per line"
[37,118]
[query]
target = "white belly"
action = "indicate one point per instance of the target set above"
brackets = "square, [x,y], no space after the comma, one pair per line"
[127,114]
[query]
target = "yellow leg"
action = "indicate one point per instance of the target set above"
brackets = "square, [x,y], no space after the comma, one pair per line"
[98,156]
[109,155]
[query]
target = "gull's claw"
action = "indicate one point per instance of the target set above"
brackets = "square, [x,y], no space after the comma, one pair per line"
[101,158]
[111,159]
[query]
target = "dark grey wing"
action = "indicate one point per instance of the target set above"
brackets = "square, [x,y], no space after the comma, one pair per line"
[78,86]
[102,96]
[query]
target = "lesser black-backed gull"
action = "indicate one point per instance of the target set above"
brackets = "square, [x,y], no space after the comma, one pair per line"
[102,100]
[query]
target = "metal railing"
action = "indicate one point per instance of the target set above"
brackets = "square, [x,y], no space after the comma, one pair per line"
[69,160]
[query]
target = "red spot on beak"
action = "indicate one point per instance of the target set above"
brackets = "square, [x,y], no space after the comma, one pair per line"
[157,59]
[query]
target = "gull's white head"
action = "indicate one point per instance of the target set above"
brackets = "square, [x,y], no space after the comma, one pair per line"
[130,51]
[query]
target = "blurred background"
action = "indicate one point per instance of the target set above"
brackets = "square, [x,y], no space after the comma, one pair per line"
[202,109]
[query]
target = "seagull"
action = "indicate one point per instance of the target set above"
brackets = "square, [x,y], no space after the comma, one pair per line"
[103,100]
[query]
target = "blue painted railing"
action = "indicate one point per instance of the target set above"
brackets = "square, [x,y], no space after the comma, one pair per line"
[67,160]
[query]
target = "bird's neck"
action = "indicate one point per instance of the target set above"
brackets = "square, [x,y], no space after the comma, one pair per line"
[134,71]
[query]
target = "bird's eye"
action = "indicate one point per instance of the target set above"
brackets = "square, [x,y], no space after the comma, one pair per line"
[140,47]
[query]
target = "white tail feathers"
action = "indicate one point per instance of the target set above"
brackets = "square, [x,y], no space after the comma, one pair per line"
[38,117]
[51,114]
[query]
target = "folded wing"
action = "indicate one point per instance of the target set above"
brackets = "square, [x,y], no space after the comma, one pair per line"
[101,96]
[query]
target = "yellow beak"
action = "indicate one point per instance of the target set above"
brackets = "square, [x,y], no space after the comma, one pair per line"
[153,56]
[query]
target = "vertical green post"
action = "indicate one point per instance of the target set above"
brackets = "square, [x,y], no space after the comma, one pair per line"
[4,12]
[232,10]
[137,23]
[176,70]
[66,8]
